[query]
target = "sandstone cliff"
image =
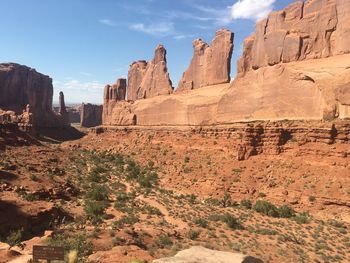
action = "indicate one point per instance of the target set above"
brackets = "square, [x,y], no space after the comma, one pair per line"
[90,115]
[310,30]
[210,65]
[294,67]
[149,79]
[21,85]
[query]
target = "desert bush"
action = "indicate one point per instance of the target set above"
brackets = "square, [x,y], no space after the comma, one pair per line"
[126,220]
[266,208]
[201,222]
[97,192]
[163,241]
[303,218]
[231,221]
[193,234]
[78,242]
[246,203]
[95,210]
[14,237]
[285,212]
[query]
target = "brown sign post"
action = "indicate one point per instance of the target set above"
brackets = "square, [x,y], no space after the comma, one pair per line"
[48,253]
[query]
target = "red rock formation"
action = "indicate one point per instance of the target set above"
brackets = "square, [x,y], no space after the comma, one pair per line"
[310,30]
[149,79]
[210,65]
[20,86]
[63,114]
[116,92]
[91,115]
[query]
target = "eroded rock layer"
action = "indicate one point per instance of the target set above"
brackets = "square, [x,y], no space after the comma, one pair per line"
[311,30]
[21,86]
[149,79]
[210,65]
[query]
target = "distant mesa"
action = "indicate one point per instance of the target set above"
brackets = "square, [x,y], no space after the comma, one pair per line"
[210,65]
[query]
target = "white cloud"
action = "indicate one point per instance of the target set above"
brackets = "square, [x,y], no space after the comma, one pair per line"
[252,9]
[156,29]
[107,22]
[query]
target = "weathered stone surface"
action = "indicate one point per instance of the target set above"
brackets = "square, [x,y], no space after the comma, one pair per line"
[91,115]
[20,86]
[135,76]
[149,79]
[210,65]
[205,255]
[297,90]
[116,92]
[311,30]
[118,113]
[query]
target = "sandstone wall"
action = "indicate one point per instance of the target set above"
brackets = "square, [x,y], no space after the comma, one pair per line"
[21,85]
[149,79]
[311,30]
[210,65]
[91,115]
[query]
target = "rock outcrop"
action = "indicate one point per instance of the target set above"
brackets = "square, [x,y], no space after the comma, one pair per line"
[62,111]
[91,115]
[21,86]
[205,255]
[116,92]
[210,65]
[311,30]
[149,79]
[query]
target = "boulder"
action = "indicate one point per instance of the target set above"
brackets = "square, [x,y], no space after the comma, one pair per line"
[311,30]
[91,115]
[210,65]
[205,255]
[149,79]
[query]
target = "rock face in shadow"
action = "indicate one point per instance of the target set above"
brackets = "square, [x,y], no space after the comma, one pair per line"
[62,111]
[20,86]
[311,30]
[210,65]
[149,79]
[91,115]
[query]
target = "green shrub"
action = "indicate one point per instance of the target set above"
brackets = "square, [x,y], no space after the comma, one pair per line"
[164,241]
[303,218]
[193,234]
[15,237]
[246,203]
[285,211]
[232,222]
[126,220]
[98,192]
[78,242]
[266,208]
[187,159]
[201,222]
[95,210]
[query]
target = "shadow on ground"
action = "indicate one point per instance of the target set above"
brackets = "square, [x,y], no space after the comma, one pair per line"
[58,135]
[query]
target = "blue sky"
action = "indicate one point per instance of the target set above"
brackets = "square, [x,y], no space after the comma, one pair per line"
[85,44]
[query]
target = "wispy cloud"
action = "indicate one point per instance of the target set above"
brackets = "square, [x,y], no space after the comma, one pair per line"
[183,36]
[107,22]
[155,29]
[252,9]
